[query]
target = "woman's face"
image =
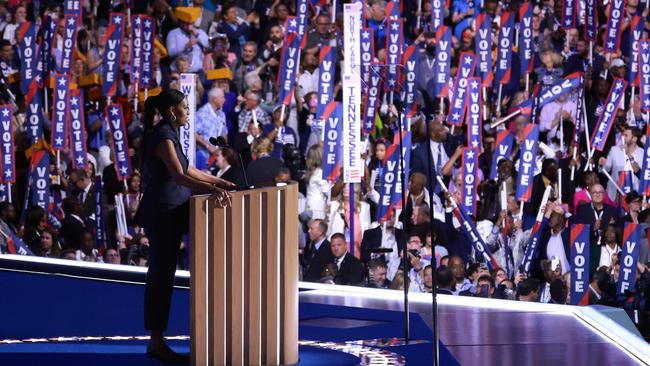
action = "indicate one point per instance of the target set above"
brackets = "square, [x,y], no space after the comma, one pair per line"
[220,160]
[380,151]
[501,275]
[610,235]
[182,113]
[79,67]
[46,241]
[21,14]
[135,183]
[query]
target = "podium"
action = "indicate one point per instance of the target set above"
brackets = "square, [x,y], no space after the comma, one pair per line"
[244,278]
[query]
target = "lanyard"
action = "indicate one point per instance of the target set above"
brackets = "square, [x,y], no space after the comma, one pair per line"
[598,216]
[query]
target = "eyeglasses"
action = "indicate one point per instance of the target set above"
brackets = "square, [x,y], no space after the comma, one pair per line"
[598,192]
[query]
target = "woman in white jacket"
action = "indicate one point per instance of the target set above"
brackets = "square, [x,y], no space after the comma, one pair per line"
[339,217]
[317,188]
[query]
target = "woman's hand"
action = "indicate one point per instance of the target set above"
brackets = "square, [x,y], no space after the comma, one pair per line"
[225,184]
[221,197]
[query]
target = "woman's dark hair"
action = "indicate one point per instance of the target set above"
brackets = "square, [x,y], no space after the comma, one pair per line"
[230,157]
[161,102]
[33,216]
[167,98]
[56,245]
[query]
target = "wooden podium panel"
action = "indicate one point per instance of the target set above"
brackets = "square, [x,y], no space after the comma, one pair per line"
[244,278]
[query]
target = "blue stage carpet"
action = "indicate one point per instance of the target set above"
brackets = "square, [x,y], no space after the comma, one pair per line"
[112,354]
[38,305]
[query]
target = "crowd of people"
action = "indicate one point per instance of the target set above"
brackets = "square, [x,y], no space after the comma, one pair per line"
[235,48]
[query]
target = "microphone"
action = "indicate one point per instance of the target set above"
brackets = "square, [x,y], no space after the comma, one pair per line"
[219,141]
[222,143]
[380,250]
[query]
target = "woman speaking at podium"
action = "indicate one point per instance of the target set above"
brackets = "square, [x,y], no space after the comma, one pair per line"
[168,182]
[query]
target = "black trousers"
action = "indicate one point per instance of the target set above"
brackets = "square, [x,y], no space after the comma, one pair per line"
[165,237]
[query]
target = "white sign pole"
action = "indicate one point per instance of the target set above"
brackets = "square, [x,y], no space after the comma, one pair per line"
[187,137]
[353,166]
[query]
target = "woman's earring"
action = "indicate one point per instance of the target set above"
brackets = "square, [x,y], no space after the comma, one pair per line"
[173,117]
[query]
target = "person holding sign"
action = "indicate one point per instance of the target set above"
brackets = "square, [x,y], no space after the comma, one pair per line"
[164,210]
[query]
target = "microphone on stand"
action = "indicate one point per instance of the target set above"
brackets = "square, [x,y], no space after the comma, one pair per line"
[222,143]
[380,250]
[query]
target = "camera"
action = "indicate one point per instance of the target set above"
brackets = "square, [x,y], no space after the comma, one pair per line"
[293,160]
[414,252]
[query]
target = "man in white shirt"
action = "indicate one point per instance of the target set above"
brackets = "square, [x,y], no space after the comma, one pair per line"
[210,122]
[628,157]
[187,40]
[553,113]
[308,79]
[554,239]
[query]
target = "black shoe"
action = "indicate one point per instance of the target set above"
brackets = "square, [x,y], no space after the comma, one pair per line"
[166,355]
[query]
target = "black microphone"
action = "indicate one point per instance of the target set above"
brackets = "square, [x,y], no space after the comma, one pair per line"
[380,250]
[222,143]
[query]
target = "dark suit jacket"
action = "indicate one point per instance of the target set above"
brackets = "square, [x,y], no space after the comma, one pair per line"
[372,240]
[71,232]
[544,236]
[240,143]
[350,272]
[420,160]
[263,170]
[585,215]
[89,203]
[456,240]
[314,265]
[235,175]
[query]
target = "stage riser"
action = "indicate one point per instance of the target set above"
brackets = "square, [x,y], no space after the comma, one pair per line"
[244,298]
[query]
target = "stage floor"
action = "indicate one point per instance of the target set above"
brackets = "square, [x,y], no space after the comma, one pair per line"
[67,313]
[502,332]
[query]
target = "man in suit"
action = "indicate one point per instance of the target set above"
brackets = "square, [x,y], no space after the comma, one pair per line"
[374,238]
[85,193]
[442,147]
[555,239]
[350,271]
[317,253]
[445,281]
[598,215]
[72,227]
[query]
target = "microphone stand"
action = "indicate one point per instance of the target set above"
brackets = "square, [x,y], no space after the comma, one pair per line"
[434,264]
[404,249]
[399,106]
[241,165]
[224,145]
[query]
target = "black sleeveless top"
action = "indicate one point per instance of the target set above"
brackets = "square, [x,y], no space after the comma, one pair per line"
[161,192]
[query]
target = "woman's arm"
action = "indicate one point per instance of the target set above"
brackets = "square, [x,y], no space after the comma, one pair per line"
[166,151]
[209,178]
